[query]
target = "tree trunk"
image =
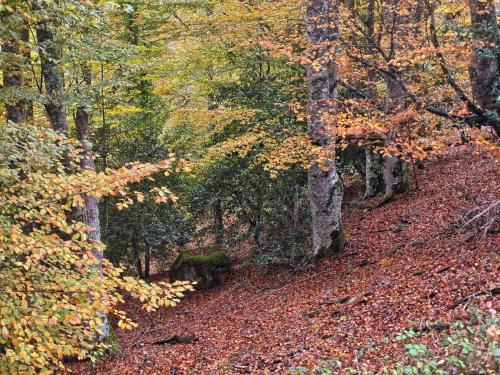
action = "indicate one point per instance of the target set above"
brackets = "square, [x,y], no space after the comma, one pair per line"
[137,261]
[395,169]
[484,68]
[52,75]
[28,81]
[325,186]
[257,221]
[218,223]
[90,210]
[374,173]
[13,78]
[374,168]
[396,177]
[147,262]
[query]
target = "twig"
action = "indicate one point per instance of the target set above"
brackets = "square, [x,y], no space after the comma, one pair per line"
[492,291]
[491,206]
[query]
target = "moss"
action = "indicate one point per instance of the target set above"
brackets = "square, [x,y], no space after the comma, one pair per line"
[208,269]
[405,183]
[113,346]
[216,258]
[338,243]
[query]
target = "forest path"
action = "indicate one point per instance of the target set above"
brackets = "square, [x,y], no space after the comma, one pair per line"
[406,263]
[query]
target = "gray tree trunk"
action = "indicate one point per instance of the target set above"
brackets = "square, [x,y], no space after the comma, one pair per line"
[52,75]
[485,63]
[325,186]
[13,81]
[137,261]
[28,79]
[374,168]
[13,77]
[396,177]
[374,175]
[90,210]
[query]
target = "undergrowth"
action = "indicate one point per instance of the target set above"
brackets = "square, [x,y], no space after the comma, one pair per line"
[458,348]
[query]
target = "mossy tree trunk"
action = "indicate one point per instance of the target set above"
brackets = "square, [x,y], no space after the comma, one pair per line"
[325,186]
[28,79]
[374,175]
[137,261]
[396,178]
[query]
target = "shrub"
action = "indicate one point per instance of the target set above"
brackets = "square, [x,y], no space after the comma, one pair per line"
[437,348]
[54,300]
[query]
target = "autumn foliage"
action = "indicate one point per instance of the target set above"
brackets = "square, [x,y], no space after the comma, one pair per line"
[53,299]
[277,132]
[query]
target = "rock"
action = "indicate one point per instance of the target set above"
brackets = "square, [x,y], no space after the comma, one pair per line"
[207,270]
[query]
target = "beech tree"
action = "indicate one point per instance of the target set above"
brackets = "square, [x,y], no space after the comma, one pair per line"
[325,186]
[13,78]
[51,70]
[395,167]
[374,162]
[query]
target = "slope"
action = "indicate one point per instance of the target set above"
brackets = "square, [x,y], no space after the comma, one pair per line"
[406,263]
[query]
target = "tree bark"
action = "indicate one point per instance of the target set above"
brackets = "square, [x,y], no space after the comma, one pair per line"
[28,81]
[90,210]
[325,186]
[218,223]
[52,75]
[374,168]
[396,178]
[147,262]
[13,77]
[484,68]
[374,175]
[137,261]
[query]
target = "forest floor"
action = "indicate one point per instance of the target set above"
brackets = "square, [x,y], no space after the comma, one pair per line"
[406,263]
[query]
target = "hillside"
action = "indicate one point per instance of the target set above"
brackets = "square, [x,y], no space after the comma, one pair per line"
[406,263]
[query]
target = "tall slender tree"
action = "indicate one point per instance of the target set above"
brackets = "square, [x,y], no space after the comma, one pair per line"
[13,81]
[89,213]
[395,168]
[52,72]
[325,186]
[50,56]
[374,162]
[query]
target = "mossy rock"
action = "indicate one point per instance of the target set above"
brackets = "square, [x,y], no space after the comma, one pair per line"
[207,270]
